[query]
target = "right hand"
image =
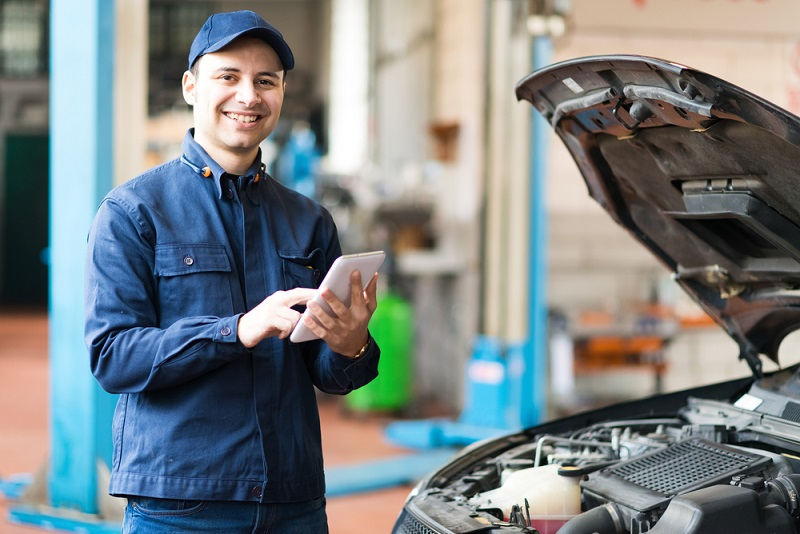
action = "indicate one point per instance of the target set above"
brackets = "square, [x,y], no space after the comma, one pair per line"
[274,316]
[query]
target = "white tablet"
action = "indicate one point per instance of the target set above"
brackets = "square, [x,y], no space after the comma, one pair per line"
[338,280]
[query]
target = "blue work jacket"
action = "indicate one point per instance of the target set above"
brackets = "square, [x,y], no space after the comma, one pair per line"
[175,257]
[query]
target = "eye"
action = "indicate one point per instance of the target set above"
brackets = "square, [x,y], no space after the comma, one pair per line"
[266,82]
[227,77]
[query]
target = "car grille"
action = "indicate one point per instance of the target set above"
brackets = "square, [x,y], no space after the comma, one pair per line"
[791,412]
[407,524]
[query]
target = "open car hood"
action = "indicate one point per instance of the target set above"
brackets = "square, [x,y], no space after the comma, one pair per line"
[701,172]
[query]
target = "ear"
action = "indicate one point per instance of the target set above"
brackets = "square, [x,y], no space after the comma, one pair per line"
[189,84]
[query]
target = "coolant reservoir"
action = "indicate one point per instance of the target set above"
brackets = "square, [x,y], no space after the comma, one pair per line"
[552,499]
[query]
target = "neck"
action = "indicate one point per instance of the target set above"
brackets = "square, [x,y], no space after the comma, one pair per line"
[234,162]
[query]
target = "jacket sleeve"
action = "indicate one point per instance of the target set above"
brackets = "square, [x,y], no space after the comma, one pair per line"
[331,372]
[338,374]
[128,350]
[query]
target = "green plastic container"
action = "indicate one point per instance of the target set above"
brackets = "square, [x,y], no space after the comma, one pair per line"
[392,328]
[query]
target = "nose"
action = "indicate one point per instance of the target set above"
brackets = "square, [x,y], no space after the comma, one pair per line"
[247,95]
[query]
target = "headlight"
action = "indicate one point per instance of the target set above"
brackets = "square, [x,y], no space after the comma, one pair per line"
[416,489]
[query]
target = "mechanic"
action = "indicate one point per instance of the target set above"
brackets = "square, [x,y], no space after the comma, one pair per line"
[216,428]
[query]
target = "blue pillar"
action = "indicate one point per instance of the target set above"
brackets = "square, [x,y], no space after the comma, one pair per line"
[81,110]
[535,374]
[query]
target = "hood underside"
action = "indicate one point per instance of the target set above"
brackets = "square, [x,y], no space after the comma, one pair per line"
[701,172]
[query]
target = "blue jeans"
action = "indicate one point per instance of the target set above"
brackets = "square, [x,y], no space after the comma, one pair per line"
[145,515]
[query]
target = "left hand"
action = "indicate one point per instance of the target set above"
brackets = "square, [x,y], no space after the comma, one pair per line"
[347,332]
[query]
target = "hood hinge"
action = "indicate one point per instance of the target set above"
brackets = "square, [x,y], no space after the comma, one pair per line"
[749,354]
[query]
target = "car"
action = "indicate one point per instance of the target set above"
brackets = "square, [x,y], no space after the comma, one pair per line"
[705,176]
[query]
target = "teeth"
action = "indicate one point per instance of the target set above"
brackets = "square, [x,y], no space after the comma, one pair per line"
[242,118]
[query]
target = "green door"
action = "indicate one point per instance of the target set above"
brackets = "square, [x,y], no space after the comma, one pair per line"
[23,272]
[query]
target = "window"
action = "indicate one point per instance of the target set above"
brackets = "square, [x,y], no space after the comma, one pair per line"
[173,25]
[23,38]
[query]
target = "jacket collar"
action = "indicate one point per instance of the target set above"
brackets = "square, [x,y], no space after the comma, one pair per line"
[195,157]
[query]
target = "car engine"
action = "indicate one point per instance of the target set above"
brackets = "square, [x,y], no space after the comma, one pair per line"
[715,467]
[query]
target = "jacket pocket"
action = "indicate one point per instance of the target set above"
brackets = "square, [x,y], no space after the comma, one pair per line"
[174,260]
[301,270]
[193,279]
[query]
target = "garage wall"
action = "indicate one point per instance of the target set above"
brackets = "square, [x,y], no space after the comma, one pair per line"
[593,263]
[429,72]
[458,62]
[404,36]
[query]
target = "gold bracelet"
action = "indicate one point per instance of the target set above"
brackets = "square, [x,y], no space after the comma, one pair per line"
[363,349]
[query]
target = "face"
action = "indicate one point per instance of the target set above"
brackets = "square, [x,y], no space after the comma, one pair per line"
[237,96]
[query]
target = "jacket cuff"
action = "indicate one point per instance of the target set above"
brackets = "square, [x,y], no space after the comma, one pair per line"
[227,330]
[369,354]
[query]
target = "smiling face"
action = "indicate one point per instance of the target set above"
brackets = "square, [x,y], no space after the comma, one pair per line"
[237,94]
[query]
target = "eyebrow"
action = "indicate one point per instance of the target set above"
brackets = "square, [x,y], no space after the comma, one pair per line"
[270,74]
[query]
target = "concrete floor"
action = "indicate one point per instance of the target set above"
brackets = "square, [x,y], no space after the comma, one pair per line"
[24,440]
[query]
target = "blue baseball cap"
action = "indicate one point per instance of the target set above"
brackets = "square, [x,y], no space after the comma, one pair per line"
[222,28]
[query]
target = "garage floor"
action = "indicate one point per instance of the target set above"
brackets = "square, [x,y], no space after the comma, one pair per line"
[24,440]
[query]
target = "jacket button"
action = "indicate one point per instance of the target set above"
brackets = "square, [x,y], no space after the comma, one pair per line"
[226,331]
[256,492]
[188,260]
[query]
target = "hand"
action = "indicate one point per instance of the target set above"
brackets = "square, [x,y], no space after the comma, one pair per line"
[346,332]
[274,316]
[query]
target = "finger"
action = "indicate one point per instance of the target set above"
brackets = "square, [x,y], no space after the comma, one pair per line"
[321,315]
[337,306]
[355,287]
[298,295]
[284,327]
[356,297]
[311,323]
[289,314]
[370,293]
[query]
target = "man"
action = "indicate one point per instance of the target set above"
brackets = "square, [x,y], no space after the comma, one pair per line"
[216,428]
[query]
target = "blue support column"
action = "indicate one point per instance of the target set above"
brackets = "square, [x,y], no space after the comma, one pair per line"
[535,373]
[81,111]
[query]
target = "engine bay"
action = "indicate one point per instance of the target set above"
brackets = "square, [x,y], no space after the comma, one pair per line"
[714,467]
[703,174]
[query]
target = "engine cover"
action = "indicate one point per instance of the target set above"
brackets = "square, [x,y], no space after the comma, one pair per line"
[650,481]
